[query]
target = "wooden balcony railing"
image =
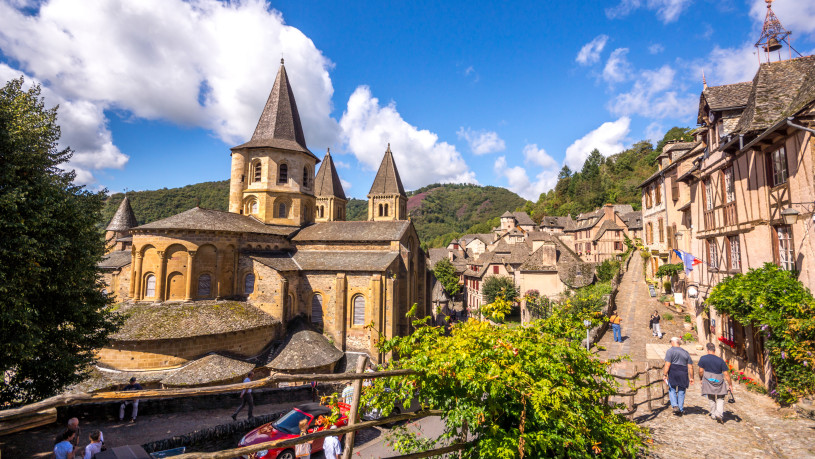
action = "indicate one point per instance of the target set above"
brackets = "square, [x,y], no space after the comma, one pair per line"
[729,210]
[710,220]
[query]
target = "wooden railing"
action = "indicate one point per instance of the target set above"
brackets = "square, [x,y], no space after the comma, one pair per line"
[710,220]
[729,211]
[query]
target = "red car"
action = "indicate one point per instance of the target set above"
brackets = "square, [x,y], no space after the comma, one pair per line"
[288,426]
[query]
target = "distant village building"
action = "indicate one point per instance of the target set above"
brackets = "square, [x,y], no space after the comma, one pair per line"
[600,235]
[741,195]
[283,251]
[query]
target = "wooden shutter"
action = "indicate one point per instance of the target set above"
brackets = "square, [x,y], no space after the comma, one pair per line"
[775,242]
[728,266]
[359,310]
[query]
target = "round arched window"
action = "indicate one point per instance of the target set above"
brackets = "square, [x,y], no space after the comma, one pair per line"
[317,308]
[150,286]
[359,311]
[249,284]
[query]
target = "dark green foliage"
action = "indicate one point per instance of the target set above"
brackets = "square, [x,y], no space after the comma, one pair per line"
[495,285]
[669,270]
[356,210]
[603,180]
[445,273]
[607,270]
[154,205]
[54,314]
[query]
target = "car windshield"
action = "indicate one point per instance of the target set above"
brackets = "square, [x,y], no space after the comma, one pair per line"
[290,423]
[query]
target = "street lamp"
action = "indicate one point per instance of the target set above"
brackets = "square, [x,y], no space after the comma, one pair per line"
[587,323]
[790,215]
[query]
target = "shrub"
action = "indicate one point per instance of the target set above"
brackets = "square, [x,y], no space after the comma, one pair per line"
[666,286]
[687,337]
[687,318]
[495,285]
[668,316]
[607,270]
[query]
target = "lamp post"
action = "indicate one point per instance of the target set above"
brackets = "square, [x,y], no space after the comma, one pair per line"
[587,323]
[789,215]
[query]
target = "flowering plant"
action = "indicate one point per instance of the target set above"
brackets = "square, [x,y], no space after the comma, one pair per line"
[728,342]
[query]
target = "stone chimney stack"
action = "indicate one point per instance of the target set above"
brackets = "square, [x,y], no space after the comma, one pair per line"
[548,254]
[608,212]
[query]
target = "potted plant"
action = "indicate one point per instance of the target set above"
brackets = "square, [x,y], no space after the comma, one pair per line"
[665,299]
[688,325]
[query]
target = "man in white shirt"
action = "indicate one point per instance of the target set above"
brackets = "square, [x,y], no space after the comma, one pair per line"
[331,446]
[246,398]
[95,446]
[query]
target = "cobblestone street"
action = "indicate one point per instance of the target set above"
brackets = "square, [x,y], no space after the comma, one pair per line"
[754,426]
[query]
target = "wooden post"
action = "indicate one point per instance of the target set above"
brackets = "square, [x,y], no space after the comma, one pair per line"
[354,413]
[648,388]
[631,397]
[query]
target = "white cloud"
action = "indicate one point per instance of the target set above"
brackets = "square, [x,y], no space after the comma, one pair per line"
[656,48]
[200,63]
[667,10]
[538,156]
[654,132]
[342,165]
[796,15]
[518,181]
[654,95]
[482,142]
[608,138]
[367,129]
[590,52]
[346,185]
[617,68]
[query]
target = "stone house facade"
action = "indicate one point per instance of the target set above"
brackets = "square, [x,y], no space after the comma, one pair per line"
[600,235]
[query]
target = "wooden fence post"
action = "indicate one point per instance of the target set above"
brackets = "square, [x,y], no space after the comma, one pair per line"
[631,397]
[354,413]
[648,388]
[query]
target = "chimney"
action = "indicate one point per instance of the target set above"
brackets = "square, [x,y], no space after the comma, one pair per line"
[608,212]
[548,254]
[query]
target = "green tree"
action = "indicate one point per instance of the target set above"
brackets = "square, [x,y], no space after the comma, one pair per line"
[530,391]
[445,273]
[495,285]
[54,314]
[607,270]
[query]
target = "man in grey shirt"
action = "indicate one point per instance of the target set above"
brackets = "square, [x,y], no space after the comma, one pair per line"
[678,375]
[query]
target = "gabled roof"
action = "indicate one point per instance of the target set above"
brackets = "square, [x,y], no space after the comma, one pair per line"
[486,238]
[606,226]
[353,231]
[216,220]
[633,220]
[523,218]
[507,214]
[558,222]
[387,179]
[116,260]
[124,218]
[728,96]
[279,124]
[328,182]
[779,89]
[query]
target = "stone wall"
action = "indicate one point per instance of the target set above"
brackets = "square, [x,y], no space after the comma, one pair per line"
[153,354]
[596,333]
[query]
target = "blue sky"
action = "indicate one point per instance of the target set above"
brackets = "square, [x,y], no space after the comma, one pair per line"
[153,93]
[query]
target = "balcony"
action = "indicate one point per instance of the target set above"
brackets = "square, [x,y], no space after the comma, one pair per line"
[710,220]
[729,211]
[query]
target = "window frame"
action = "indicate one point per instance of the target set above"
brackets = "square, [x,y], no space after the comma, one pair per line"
[712,254]
[354,312]
[283,174]
[257,171]
[314,297]
[251,290]
[779,166]
[784,256]
[728,185]
[147,280]
[208,284]
[733,247]
[707,188]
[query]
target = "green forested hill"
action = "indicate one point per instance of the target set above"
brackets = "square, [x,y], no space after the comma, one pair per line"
[157,204]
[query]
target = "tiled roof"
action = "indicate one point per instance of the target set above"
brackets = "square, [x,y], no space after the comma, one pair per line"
[485,238]
[279,124]
[279,261]
[633,220]
[387,179]
[351,260]
[116,260]
[303,349]
[353,231]
[124,218]
[216,220]
[327,182]
[523,218]
[173,320]
[606,226]
[210,369]
[727,96]
[565,223]
[779,89]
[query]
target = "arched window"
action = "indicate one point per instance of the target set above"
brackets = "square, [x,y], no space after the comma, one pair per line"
[281,210]
[150,286]
[359,311]
[305,176]
[283,174]
[257,171]
[204,285]
[249,284]
[317,308]
[253,206]
[386,210]
[380,210]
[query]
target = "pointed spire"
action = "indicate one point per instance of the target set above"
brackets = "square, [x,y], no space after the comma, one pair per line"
[387,179]
[279,125]
[328,181]
[704,80]
[124,218]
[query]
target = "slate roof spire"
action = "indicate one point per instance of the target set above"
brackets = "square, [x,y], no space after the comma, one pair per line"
[123,219]
[387,179]
[279,125]
[328,182]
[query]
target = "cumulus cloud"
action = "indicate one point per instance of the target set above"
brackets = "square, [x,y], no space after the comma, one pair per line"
[728,65]
[654,96]
[608,138]
[667,10]
[617,68]
[654,132]
[538,156]
[519,182]
[201,63]
[482,142]
[368,127]
[656,48]
[346,185]
[590,52]
[798,16]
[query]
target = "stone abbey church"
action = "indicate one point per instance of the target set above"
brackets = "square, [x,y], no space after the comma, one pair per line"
[283,250]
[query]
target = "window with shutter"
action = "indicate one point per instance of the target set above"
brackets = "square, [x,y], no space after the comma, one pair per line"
[359,311]
[674,188]
[658,194]
[735,253]
[661,230]
[317,308]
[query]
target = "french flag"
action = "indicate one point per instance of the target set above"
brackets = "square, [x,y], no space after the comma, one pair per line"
[688,260]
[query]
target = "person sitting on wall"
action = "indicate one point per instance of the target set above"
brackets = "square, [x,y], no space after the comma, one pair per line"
[132,386]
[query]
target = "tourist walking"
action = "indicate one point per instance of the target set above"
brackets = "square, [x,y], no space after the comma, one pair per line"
[95,446]
[132,386]
[713,372]
[678,375]
[331,446]
[348,393]
[64,448]
[246,399]
[303,449]
[615,321]
[655,330]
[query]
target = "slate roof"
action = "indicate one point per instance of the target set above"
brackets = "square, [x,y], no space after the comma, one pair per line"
[728,96]
[606,226]
[116,260]
[303,349]
[507,214]
[319,260]
[279,124]
[145,322]
[565,223]
[210,369]
[279,261]
[486,238]
[523,218]
[633,220]
[328,182]
[779,89]
[216,220]
[353,231]
[534,262]
[124,218]
[387,179]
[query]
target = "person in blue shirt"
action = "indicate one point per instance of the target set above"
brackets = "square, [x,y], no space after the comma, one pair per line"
[64,449]
[713,372]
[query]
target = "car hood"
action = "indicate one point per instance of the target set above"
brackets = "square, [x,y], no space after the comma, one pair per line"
[264,433]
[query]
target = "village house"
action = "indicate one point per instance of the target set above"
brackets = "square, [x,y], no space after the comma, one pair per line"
[600,235]
[749,179]
[282,252]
